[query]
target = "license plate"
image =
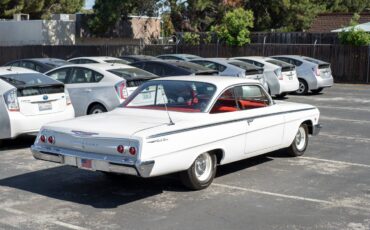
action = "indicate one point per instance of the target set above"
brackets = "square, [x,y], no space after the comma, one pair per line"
[45,106]
[86,164]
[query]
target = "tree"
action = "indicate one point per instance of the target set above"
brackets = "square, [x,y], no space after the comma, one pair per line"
[235,25]
[108,12]
[354,36]
[356,6]
[39,8]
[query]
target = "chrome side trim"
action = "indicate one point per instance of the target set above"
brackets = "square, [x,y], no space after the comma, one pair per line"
[225,122]
[316,129]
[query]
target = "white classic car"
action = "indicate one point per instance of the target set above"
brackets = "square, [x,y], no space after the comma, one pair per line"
[181,124]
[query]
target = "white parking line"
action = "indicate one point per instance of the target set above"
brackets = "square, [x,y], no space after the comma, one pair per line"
[40,219]
[335,162]
[343,108]
[344,119]
[301,198]
[360,139]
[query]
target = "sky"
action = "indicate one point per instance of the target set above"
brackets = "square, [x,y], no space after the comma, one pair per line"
[89,4]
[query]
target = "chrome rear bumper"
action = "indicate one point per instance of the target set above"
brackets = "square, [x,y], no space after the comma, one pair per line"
[100,162]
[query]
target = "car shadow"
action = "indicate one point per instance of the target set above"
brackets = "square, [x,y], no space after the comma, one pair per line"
[98,190]
[18,143]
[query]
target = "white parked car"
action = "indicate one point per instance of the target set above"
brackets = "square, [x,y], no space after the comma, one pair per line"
[96,59]
[186,124]
[101,87]
[281,77]
[28,100]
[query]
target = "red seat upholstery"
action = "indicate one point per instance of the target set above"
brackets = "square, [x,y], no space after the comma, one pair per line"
[245,104]
[223,109]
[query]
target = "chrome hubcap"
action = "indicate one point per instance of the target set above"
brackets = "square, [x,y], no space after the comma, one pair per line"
[300,139]
[203,167]
[301,88]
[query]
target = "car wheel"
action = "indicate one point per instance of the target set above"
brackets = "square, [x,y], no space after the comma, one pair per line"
[316,91]
[97,109]
[299,145]
[201,173]
[303,87]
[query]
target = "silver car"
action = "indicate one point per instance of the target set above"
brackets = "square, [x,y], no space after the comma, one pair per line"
[29,100]
[101,87]
[281,77]
[231,67]
[314,75]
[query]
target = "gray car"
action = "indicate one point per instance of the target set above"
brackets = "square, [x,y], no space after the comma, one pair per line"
[232,67]
[100,87]
[314,75]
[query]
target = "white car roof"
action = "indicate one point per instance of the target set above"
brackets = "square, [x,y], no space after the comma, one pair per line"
[219,81]
[14,70]
[97,58]
[96,66]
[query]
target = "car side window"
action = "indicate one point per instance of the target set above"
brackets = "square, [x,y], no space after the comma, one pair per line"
[226,102]
[83,75]
[154,68]
[251,97]
[60,75]
[76,61]
[28,65]
[16,63]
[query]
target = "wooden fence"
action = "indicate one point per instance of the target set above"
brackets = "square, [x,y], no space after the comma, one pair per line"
[294,38]
[350,64]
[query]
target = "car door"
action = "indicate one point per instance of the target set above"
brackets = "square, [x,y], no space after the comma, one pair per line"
[81,87]
[75,90]
[265,125]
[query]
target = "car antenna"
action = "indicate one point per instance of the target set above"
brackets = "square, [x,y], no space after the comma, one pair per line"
[165,106]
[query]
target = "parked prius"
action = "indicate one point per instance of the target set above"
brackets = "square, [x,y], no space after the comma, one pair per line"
[231,67]
[38,64]
[96,59]
[101,87]
[173,68]
[281,77]
[136,58]
[28,100]
[179,57]
[314,75]
[186,124]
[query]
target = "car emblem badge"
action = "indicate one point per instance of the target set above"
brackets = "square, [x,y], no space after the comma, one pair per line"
[45,97]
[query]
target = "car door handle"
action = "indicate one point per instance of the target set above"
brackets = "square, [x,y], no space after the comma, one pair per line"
[87,90]
[250,121]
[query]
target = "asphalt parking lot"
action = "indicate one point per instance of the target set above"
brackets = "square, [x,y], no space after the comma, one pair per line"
[327,188]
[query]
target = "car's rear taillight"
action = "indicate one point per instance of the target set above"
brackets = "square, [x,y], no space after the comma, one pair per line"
[132,150]
[316,71]
[68,99]
[120,148]
[43,138]
[11,100]
[51,140]
[121,90]
[279,74]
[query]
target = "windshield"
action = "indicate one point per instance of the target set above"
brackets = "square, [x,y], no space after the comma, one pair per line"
[130,73]
[180,96]
[120,61]
[28,79]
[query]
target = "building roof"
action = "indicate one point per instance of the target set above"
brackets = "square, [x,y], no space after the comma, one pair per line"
[364,27]
[325,23]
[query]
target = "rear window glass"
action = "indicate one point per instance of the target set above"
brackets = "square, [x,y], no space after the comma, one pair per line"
[278,63]
[28,79]
[129,73]
[242,65]
[192,67]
